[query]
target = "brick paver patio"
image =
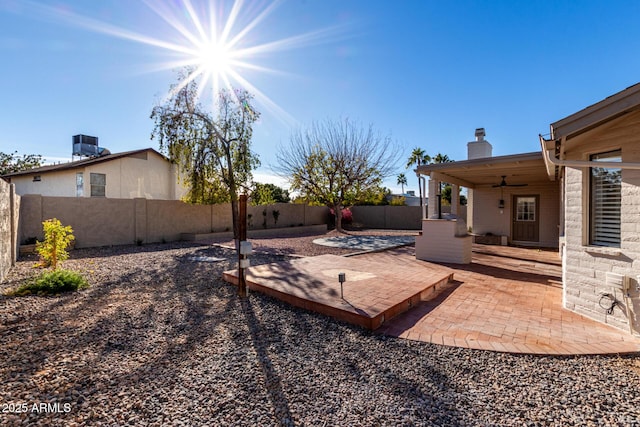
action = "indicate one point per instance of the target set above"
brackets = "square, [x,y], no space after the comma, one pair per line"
[371,295]
[508,299]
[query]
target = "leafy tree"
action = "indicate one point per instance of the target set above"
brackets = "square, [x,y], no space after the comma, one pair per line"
[446,190]
[212,151]
[12,162]
[336,163]
[418,157]
[446,195]
[375,197]
[398,201]
[267,194]
[402,180]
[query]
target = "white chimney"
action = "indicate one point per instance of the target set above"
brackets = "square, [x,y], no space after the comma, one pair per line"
[480,148]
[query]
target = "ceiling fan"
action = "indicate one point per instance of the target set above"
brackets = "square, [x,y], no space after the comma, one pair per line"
[503,183]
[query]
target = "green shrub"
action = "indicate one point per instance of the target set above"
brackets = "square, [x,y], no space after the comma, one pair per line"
[51,283]
[398,201]
[57,237]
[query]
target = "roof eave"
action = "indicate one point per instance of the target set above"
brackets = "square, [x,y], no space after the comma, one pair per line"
[435,167]
[613,106]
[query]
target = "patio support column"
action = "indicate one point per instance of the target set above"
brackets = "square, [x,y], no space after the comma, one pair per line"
[455,200]
[434,185]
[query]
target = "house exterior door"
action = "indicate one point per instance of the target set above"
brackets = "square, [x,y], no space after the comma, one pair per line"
[526,218]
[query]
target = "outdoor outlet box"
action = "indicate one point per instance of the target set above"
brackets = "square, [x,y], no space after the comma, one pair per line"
[245,248]
[244,263]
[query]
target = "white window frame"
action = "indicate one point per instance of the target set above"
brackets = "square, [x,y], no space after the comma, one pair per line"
[605,201]
[79,184]
[526,211]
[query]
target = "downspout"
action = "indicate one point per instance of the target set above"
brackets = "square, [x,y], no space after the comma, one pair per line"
[546,153]
[422,182]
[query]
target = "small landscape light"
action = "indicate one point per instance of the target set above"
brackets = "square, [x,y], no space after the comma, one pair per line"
[342,278]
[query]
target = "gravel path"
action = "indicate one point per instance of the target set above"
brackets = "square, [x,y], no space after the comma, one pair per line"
[159,340]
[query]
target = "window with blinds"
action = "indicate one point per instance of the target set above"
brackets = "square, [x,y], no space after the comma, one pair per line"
[605,199]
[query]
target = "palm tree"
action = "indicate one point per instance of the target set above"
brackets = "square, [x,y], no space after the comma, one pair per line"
[418,157]
[402,180]
[441,158]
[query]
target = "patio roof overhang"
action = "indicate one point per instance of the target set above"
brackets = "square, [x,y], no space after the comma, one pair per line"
[527,168]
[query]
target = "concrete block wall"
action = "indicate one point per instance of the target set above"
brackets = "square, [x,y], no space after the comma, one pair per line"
[290,215]
[105,221]
[585,267]
[394,217]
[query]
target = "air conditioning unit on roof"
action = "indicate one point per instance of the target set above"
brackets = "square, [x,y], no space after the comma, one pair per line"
[87,146]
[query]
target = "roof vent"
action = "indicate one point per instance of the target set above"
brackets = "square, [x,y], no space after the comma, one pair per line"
[87,146]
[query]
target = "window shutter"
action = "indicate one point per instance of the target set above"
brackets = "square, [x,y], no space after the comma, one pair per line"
[605,202]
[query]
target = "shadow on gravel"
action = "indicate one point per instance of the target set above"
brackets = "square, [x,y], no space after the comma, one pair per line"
[167,340]
[272,379]
[346,375]
[105,252]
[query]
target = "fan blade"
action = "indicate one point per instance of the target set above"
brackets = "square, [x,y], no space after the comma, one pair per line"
[517,185]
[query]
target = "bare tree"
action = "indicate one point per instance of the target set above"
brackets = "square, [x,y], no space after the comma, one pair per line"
[336,163]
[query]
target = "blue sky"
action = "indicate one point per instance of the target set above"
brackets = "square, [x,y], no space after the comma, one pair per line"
[425,72]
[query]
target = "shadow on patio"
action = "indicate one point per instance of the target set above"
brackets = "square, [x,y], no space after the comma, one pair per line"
[510,300]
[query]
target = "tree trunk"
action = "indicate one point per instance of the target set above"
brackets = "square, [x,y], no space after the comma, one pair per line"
[338,212]
[234,216]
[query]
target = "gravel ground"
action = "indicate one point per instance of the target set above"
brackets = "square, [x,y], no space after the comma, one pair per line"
[159,339]
[303,245]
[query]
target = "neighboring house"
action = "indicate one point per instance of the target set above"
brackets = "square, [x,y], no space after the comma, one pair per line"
[580,194]
[141,173]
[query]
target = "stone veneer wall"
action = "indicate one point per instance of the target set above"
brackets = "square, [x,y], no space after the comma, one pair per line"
[9,205]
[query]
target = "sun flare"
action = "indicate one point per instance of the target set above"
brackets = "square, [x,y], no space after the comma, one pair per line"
[215,58]
[211,37]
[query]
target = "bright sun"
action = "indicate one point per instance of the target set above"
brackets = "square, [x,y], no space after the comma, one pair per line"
[215,58]
[210,37]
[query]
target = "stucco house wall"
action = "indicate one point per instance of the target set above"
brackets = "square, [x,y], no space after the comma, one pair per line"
[585,267]
[146,175]
[487,217]
[138,174]
[54,183]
